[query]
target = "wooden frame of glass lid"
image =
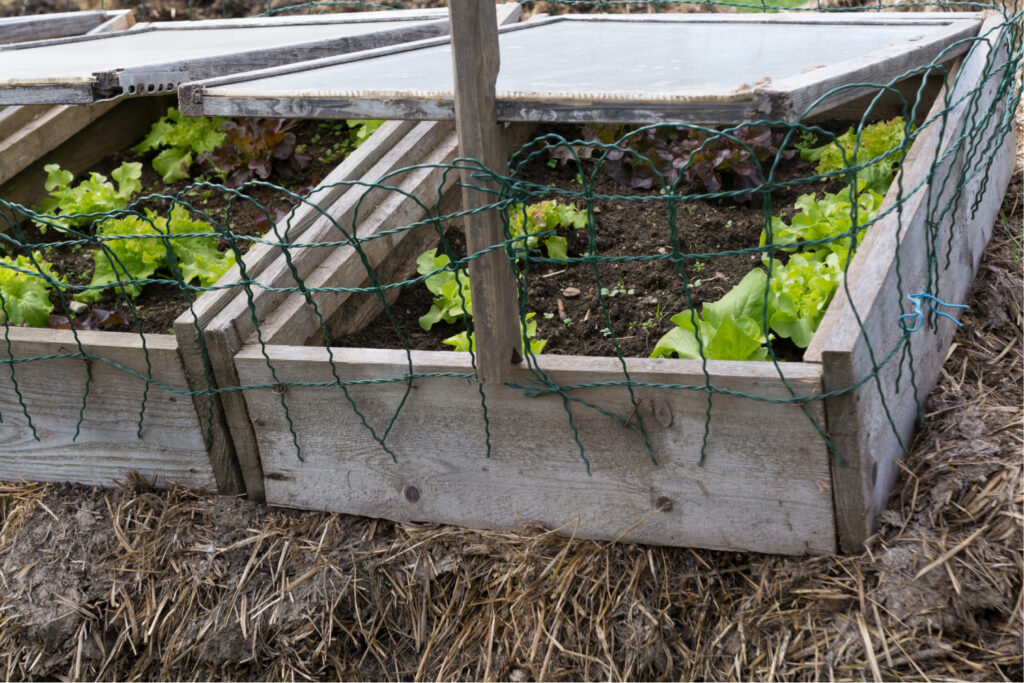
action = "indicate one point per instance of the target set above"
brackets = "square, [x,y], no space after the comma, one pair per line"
[670,68]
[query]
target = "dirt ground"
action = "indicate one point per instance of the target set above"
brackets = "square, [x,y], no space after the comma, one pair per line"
[136,583]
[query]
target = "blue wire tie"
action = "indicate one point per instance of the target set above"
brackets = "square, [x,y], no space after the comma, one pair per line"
[916,299]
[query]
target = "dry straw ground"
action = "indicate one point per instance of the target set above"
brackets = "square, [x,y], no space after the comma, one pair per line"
[175,584]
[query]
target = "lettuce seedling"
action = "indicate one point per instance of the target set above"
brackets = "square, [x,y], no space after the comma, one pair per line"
[828,218]
[881,144]
[25,291]
[141,252]
[79,205]
[182,139]
[452,298]
[729,329]
[464,341]
[799,292]
[545,217]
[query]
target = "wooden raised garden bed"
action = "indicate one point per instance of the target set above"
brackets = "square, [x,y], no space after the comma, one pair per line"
[768,482]
[75,405]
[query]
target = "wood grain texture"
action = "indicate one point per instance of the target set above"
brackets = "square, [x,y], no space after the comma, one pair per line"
[43,134]
[358,200]
[297,319]
[224,315]
[766,490]
[171,447]
[475,62]
[46,26]
[896,248]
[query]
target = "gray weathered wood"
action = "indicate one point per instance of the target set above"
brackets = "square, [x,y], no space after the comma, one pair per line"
[857,420]
[47,26]
[171,446]
[765,490]
[559,69]
[225,316]
[30,131]
[43,134]
[476,62]
[236,448]
[295,320]
[156,58]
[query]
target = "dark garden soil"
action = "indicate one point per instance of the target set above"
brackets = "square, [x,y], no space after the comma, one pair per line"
[640,296]
[158,305]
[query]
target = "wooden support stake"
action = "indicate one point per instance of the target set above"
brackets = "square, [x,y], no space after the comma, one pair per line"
[475,61]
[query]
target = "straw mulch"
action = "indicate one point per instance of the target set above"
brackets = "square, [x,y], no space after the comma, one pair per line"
[175,584]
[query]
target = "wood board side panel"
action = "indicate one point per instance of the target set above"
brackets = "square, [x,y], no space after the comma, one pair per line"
[44,134]
[872,424]
[171,447]
[291,228]
[358,200]
[295,320]
[233,452]
[766,489]
[200,362]
[45,27]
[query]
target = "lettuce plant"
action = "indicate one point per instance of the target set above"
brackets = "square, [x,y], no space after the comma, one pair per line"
[95,195]
[729,329]
[881,142]
[715,160]
[828,218]
[452,301]
[544,217]
[26,295]
[182,140]
[255,148]
[799,292]
[135,250]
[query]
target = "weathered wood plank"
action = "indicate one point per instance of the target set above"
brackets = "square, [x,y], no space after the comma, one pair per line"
[47,26]
[475,62]
[894,261]
[45,133]
[171,445]
[295,320]
[766,490]
[13,119]
[225,315]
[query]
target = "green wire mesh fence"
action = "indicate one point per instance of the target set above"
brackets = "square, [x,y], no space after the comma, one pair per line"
[599,233]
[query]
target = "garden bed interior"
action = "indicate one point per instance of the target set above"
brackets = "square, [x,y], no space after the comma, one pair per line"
[767,480]
[90,406]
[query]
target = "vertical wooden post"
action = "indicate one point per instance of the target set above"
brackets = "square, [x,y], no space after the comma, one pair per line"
[475,59]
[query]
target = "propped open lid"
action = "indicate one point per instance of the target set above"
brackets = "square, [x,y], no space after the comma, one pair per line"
[157,57]
[717,69]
